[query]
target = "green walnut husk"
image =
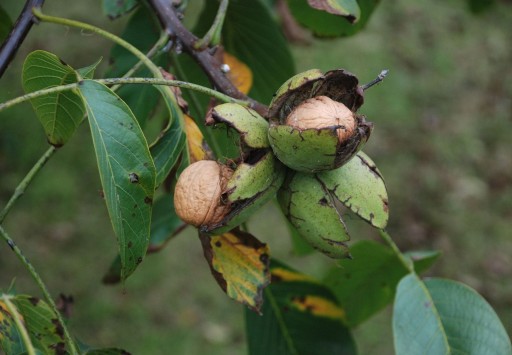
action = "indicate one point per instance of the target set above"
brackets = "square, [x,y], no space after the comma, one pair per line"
[314,203]
[238,189]
[324,141]
[251,127]
[251,186]
[312,211]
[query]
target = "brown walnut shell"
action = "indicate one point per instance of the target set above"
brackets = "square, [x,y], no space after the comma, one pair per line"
[322,112]
[197,196]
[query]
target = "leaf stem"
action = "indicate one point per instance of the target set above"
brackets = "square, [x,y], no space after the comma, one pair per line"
[405,261]
[110,36]
[67,337]
[19,324]
[178,83]
[119,81]
[212,37]
[22,186]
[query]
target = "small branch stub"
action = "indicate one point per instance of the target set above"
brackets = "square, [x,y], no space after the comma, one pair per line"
[375,81]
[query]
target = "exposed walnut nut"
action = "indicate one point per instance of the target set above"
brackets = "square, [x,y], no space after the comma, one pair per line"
[322,112]
[197,196]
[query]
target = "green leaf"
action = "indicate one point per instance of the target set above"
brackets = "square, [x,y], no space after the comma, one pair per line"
[166,150]
[116,8]
[5,24]
[360,187]
[88,71]
[445,317]
[324,24]
[248,26]
[240,264]
[423,259]
[142,31]
[299,316]
[60,113]
[367,283]
[126,168]
[346,8]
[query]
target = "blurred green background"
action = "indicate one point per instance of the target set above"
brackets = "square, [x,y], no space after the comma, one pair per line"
[442,139]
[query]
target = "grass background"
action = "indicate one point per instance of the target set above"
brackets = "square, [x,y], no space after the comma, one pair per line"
[442,141]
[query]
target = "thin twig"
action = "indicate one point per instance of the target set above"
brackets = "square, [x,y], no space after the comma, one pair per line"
[212,37]
[375,81]
[118,81]
[48,298]
[87,27]
[22,186]
[17,34]
[404,260]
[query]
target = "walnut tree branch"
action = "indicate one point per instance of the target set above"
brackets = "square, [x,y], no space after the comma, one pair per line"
[17,34]
[210,65]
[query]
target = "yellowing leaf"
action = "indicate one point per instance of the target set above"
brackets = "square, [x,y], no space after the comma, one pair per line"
[240,264]
[197,146]
[319,306]
[239,73]
[287,275]
[299,317]
[10,336]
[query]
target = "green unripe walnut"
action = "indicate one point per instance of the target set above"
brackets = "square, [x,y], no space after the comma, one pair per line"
[313,122]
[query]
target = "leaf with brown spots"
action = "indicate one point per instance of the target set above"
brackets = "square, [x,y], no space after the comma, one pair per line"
[10,337]
[239,73]
[122,150]
[45,332]
[240,264]
[300,316]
